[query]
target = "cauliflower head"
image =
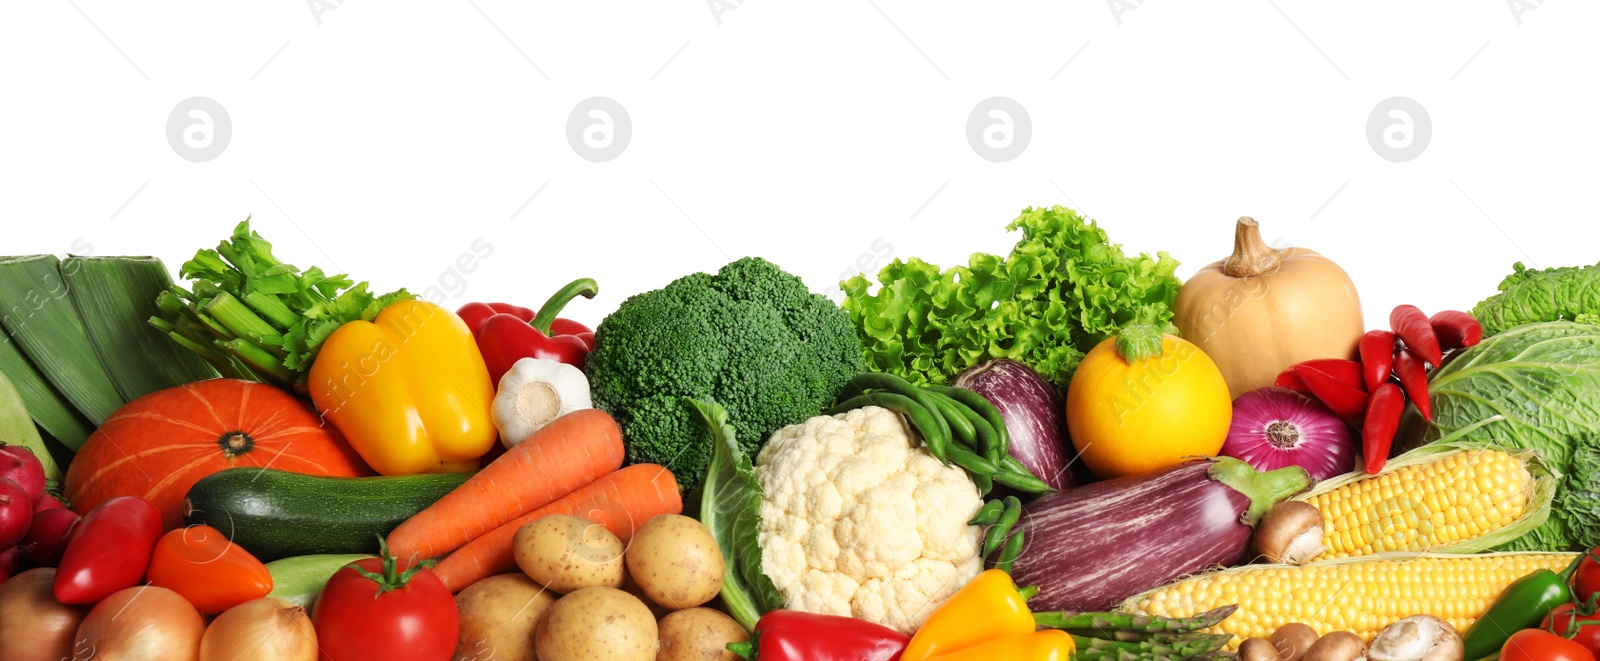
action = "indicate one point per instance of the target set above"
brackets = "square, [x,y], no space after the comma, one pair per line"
[857,519]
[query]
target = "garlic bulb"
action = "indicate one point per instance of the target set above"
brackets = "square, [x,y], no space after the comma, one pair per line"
[534,392]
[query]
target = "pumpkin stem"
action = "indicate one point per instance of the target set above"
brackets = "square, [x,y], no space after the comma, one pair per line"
[235,443]
[1251,256]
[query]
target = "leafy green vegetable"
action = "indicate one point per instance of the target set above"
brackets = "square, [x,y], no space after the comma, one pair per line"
[1528,296]
[751,337]
[1545,379]
[1063,289]
[730,507]
[254,317]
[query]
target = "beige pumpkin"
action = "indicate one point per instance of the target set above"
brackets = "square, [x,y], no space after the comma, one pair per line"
[1263,309]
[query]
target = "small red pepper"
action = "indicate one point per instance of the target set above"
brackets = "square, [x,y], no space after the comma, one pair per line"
[1414,329]
[508,333]
[108,550]
[1291,380]
[1382,420]
[1414,379]
[1347,372]
[208,569]
[1456,329]
[1346,401]
[785,635]
[1377,357]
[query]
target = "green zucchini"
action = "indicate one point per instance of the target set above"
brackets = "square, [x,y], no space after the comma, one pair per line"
[276,514]
[299,580]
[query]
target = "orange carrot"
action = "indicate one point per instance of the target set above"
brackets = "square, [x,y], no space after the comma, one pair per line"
[621,501]
[574,450]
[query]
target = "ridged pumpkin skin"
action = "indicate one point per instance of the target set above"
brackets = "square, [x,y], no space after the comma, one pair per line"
[1254,327]
[157,446]
[1130,419]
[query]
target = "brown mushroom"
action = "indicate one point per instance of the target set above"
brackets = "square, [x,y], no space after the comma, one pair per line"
[1292,640]
[1337,646]
[1417,638]
[1257,649]
[1291,532]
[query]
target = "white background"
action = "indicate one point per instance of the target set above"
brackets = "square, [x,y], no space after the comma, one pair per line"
[382,138]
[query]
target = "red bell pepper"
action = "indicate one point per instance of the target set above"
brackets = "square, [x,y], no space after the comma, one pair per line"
[785,635]
[508,333]
[108,551]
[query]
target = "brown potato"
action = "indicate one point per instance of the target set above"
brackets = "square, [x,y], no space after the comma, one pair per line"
[631,586]
[566,553]
[597,623]
[498,617]
[676,562]
[699,634]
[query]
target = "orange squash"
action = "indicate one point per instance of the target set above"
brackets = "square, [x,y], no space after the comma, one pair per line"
[157,446]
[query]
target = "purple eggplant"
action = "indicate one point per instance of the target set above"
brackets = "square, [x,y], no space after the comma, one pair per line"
[1034,413]
[1092,547]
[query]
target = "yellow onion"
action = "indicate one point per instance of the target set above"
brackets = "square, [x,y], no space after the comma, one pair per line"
[140,623]
[264,629]
[33,625]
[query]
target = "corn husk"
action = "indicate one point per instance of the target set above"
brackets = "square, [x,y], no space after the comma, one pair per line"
[52,412]
[16,428]
[114,297]
[40,317]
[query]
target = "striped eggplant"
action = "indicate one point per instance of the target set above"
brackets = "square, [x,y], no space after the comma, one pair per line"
[1091,547]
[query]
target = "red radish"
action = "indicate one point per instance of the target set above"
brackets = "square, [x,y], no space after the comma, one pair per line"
[47,537]
[11,561]
[48,502]
[20,464]
[16,512]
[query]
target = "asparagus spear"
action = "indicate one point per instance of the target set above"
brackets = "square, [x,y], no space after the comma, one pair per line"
[1096,624]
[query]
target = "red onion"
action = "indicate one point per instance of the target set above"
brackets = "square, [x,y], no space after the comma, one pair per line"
[1277,427]
[1034,413]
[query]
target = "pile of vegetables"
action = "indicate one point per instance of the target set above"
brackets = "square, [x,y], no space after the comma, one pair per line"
[1062,453]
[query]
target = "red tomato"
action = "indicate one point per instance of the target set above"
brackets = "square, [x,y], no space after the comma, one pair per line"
[1541,645]
[380,609]
[1571,622]
[1586,581]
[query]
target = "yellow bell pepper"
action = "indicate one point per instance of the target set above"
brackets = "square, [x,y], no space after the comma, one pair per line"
[408,390]
[1047,645]
[987,608]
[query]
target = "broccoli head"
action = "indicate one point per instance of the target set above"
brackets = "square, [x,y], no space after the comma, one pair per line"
[751,338]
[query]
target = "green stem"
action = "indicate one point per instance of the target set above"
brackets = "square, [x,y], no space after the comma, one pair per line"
[269,306]
[585,287]
[259,359]
[1140,342]
[240,320]
[1264,489]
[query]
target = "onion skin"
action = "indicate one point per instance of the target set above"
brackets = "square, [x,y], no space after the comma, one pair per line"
[1326,446]
[139,623]
[1034,412]
[264,629]
[33,625]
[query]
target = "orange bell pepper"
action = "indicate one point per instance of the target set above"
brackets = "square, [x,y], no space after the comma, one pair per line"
[987,608]
[208,569]
[1047,645]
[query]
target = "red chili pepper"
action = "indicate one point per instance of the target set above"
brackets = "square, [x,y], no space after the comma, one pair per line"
[109,550]
[785,635]
[508,333]
[1291,380]
[1456,329]
[1413,328]
[1347,372]
[1414,379]
[208,569]
[1346,401]
[1382,420]
[1377,357]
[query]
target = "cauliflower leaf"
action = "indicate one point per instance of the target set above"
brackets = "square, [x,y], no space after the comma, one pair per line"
[730,507]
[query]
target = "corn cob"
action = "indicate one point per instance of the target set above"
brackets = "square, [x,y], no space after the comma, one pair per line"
[1452,497]
[1361,595]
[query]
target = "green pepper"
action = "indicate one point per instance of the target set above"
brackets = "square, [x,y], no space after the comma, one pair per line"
[1522,605]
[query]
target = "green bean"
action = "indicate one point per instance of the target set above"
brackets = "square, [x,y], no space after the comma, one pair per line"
[989,513]
[984,408]
[1013,550]
[984,482]
[894,384]
[921,418]
[955,415]
[1024,482]
[974,464]
[1002,527]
